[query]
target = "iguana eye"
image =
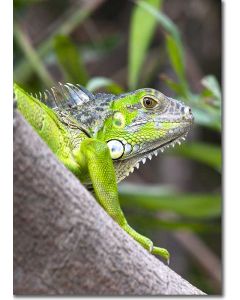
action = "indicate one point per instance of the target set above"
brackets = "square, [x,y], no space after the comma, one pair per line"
[116,148]
[149,102]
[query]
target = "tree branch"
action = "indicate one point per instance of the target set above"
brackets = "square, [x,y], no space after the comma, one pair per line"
[65,243]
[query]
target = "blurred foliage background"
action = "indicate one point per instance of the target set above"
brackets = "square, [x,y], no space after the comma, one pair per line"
[116,46]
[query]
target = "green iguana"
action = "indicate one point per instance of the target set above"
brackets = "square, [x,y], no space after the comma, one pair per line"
[101,138]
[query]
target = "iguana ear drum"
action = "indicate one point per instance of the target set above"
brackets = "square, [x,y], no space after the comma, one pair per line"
[116,148]
[118,120]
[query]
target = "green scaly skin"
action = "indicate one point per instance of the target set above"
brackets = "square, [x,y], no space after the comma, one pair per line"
[101,138]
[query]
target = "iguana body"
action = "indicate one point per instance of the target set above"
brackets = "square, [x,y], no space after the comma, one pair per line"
[101,138]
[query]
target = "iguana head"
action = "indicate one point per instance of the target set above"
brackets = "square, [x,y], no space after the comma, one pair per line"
[141,124]
[134,125]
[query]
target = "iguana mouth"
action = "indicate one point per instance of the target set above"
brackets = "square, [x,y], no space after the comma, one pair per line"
[154,151]
[163,146]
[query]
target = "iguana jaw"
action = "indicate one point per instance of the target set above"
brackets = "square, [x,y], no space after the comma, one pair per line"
[162,147]
[124,167]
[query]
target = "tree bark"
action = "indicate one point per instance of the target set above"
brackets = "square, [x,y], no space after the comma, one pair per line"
[65,243]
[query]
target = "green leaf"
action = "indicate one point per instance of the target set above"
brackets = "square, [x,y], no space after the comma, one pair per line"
[205,117]
[174,86]
[70,60]
[153,198]
[166,23]
[205,153]
[32,56]
[173,43]
[175,53]
[76,15]
[154,223]
[206,111]
[211,84]
[141,33]
[102,82]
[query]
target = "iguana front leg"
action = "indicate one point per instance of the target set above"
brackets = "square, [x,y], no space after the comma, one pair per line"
[96,157]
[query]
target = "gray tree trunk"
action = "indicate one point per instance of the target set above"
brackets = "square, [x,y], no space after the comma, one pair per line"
[65,243]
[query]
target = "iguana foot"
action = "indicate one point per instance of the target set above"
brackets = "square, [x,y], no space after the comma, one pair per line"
[162,252]
[147,243]
[141,239]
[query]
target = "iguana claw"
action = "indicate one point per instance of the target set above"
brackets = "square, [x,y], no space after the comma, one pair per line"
[162,252]
[147,243]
